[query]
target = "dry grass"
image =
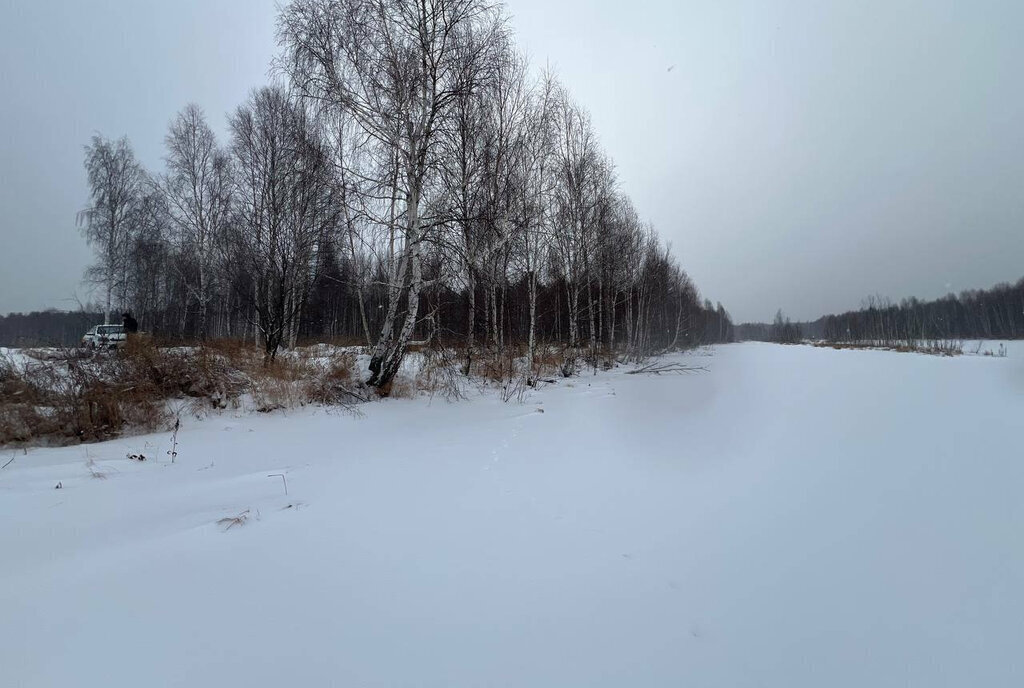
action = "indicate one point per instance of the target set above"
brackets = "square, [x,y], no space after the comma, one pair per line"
[441,373]
[498,366]
[551,361]
[931,347]
[72,399]
[333,382]
[73,396]
[19,403]
[306,377]
[64,396]
[95,472]
[401,387]
[230,522]
[548,361]
[448,370]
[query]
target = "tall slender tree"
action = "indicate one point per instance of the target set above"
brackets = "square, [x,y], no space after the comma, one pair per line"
[117,190]
[197,187]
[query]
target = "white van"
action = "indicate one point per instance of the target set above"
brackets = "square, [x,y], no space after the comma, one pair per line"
[105,337]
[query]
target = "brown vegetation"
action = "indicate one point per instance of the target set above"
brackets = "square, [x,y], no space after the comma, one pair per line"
[65,396]
[934,348]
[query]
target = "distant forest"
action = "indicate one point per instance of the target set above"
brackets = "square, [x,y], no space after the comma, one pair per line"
[996,313]
[46,328]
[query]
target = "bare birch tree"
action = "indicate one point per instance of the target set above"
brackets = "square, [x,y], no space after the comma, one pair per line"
[197,187]
[397,67]
[116,190]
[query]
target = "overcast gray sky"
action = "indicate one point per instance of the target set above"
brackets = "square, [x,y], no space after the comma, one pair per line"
[800,155]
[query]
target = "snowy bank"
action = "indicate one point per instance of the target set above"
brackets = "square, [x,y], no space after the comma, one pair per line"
[793,517]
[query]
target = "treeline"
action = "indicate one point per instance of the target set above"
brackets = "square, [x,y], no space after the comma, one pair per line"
[407,179]
[782,331]
[996,313]
[46,328]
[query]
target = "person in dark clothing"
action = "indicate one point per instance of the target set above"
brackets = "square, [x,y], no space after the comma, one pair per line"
[131,325]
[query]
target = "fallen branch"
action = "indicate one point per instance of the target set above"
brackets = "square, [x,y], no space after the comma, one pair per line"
[351,393]
[666,368]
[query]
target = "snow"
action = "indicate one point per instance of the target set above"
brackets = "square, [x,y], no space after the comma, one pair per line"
[793,517]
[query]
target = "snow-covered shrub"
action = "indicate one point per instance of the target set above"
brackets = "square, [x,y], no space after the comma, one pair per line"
[68,398]
[333,381]
[441,373]
[20,416]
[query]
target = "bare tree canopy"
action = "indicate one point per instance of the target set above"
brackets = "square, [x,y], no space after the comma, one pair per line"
[197,188]
[115,215]
[409,181]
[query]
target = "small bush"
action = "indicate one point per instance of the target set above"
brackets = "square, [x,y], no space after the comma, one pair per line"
[272,393]
[441,373]
[207,372]
[401,387]
[333,383]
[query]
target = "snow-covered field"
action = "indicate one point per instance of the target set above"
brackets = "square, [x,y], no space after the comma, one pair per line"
[793,517]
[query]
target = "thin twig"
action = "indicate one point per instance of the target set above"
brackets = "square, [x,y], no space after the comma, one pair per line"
[283,479]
